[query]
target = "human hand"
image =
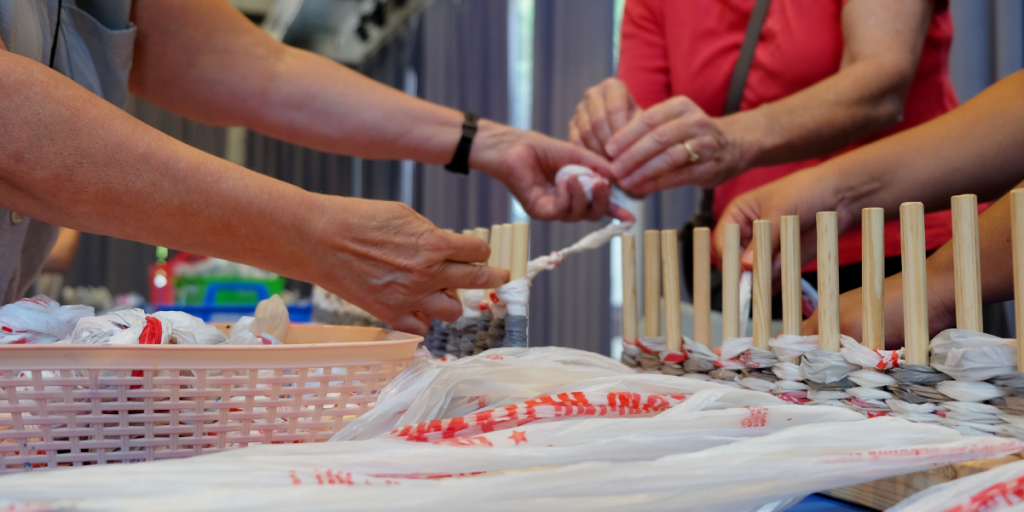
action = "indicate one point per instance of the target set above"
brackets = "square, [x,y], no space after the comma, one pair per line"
[526,162]
[675,143]
[802,193]
[605,109]
[389,260]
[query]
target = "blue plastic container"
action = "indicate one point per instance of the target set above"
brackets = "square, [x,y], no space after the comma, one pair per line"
[210,312]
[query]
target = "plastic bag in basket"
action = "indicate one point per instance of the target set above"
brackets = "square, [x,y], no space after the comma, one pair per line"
[39,320]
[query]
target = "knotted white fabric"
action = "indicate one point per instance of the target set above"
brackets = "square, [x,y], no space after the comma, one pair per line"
[593,240]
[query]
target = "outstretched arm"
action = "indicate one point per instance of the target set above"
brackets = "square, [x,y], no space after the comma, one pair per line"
[72,159]
[204,60]
[996,251]
[976,148]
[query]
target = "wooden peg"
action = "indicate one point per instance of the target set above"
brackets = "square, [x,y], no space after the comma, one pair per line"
[505,259]
[702,286]
[1017,221]
[495,258]
[762,289]
[670,276]
[915,292]
[828,281]
[652,283]
[967,262]
[872,278]
[493,261]
[483,234]
[469,232]
[731,282]
[629,323]
[520,249]
[792,308]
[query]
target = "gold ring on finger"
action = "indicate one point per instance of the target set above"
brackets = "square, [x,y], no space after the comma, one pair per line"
[694,157]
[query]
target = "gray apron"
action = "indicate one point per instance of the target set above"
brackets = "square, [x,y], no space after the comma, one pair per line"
[94,49]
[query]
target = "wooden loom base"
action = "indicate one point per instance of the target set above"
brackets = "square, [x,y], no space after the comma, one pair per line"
[887,492]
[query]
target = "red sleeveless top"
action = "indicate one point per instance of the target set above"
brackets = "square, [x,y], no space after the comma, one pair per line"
[690,47]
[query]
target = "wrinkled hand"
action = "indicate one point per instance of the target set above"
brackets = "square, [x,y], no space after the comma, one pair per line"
[650,153]
[605,109]
[802,193]
[526,162]
[389,260]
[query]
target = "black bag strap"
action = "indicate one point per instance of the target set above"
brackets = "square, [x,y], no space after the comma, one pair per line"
[735,95]
[739,74]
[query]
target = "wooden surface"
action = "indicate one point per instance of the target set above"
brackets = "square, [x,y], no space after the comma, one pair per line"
[505,260]
[520,249]
[792,311]
[761,305]
[731,282]
[872,277]
[967,262]
[887,492]
[670,278]
[652,283]
[702,286]
[828,281]
[915,292]
[629,322]
[1017,221]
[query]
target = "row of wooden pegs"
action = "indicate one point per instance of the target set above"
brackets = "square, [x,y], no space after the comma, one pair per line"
[661,273]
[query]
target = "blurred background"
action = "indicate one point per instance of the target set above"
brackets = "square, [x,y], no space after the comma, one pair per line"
[522,62]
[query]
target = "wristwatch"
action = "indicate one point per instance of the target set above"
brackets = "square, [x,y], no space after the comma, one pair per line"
[460,162]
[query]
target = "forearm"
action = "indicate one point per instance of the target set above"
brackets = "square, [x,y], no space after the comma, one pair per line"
[224,71]
[996,251]
[973,149]
[861,99]
[72,159]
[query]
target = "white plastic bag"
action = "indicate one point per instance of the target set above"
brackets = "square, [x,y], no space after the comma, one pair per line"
[117,328]
[999,489]
[871,379]
[825,366]
[495,378]
[788,371]
[39,320]
[186,329]
[788,347]
[859,355]
[973,356]
[745,475]
[268,327]
[869,394]
[970,391]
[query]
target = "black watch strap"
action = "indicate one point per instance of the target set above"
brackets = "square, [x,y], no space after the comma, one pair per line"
[460,162]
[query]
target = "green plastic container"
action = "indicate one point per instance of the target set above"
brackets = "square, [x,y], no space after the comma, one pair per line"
[192,291]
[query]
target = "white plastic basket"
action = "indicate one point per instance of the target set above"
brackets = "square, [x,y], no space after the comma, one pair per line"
[81,405]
